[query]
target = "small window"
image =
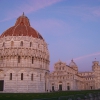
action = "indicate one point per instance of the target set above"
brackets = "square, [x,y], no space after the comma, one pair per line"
[32,60]
[19,59]
[1,58]
[10,76]
[12,43]
[21,76]
[40,77]
[31,77]
[30,44]
[21,44]
[3,45]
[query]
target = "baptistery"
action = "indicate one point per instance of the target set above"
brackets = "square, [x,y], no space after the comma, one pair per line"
[24,59]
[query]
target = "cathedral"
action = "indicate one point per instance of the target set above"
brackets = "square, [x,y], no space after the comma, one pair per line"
[24,64]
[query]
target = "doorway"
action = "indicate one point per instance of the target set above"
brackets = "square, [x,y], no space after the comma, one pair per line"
[52,88]
[60,87]
[68,87]
[1,85]
[91,87]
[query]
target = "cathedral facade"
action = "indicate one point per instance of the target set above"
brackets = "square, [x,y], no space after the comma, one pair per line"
[24,64]
[67,77]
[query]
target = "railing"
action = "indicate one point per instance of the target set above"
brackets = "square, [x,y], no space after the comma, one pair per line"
[89,96]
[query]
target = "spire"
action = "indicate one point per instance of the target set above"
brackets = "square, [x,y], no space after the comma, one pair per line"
[23,14]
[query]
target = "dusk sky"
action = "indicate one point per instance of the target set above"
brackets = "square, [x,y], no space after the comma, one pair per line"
[71,28]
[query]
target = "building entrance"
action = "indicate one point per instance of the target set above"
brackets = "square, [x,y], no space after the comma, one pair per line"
[52,88]
[68,87]
[1,85]
[60,87]
[91,87]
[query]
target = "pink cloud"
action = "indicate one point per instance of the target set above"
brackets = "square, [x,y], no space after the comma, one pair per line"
[87,56]
[28,7]
[97,12]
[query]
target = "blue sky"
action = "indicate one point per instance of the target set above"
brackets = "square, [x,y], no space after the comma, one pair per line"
[70,27]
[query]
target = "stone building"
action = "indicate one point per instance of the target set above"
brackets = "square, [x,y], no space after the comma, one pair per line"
[24,64]
[67,77]
[24,59]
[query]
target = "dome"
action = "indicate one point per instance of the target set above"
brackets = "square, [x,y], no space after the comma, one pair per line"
[22,28]
[72,64]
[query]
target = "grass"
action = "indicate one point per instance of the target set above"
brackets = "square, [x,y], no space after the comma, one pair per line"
[30,96]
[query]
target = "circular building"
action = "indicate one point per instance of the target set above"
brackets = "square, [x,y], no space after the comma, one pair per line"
[24,59]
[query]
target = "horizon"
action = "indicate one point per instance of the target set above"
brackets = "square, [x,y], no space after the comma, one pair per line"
[70,27]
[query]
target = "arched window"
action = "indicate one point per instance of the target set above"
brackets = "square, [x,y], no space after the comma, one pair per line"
[31,77]
[10,76]
[21,76]
[3,45]
[60,68]
[32,60]
[19,59]
[30,44]
[21,43]
[12,43]
[2,58]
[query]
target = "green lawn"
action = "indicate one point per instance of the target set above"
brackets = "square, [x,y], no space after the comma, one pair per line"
[30,96]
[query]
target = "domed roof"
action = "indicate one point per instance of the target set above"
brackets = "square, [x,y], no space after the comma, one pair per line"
[72,64]
[22,28]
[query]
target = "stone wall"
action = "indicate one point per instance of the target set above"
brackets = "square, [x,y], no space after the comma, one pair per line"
[10,50]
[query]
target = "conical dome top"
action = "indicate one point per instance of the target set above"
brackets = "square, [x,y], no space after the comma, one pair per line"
[22,20]
[72,64]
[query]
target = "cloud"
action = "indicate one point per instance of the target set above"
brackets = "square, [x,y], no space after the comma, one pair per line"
[96,12]
[28,7]
[86,56]
[36,5]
